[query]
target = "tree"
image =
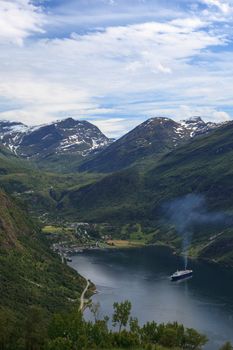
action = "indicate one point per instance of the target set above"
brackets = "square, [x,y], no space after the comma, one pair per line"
[59,344]
[227,346]
[35,329]
[95,309]
[7,329]
[149,333]
[194,340]
[134,325]
[121,314]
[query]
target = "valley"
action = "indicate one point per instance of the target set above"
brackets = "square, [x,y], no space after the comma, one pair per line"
[128,203]
[55,214]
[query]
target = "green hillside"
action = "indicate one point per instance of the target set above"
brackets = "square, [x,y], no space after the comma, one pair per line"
[39,190]
[30,275]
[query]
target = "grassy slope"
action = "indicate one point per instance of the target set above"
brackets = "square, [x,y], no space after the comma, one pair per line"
[29,273]
[40,190]
[60,163]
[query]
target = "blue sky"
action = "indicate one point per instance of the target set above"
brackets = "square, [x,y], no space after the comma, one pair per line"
[115,62]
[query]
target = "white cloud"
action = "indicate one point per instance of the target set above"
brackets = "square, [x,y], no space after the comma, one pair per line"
[222,5]
[116,127]
[136,70]
[18,20]
[207,114]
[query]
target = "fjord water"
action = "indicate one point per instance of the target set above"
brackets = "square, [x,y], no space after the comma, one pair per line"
[204,302]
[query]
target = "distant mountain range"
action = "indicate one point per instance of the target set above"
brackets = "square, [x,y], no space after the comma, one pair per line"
[75,145]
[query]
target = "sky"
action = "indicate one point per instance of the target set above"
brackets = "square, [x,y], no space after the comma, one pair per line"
[115,63]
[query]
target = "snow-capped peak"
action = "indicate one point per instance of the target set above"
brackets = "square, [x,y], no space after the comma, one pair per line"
[196,125]
[64,136]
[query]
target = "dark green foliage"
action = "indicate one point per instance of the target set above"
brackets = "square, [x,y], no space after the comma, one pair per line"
[68,331]
[35,331]
[71,331]
[227,346]
[30,275]
[121,314]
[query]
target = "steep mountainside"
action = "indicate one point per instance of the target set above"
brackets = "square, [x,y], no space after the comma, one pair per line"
[29,273]
[63,137]
[9,162]
[154,137]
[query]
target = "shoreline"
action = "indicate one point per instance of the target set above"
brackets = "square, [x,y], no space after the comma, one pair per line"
[91,289]
[136,244]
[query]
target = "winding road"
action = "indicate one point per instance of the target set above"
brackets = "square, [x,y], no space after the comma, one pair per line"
[82,298]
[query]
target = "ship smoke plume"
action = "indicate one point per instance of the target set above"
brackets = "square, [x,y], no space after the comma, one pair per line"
[189,211]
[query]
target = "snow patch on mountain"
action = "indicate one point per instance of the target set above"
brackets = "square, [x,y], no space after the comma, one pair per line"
[59,137]
[196,126]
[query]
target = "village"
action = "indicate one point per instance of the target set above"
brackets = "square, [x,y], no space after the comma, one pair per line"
[74,238]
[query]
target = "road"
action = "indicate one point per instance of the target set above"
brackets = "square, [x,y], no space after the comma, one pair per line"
[82,299]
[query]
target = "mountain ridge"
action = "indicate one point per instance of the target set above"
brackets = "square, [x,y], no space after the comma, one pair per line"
[155,136]
[71,145]
[68,136]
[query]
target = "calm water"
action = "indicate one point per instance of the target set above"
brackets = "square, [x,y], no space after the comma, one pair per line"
[204,302]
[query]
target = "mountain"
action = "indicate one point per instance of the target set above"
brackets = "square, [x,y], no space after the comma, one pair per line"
[61,138]
[201,166]
[30,274]
[71,145]
[154,137]
[11,134]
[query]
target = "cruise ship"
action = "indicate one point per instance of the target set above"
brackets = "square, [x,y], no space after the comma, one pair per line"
[179,275]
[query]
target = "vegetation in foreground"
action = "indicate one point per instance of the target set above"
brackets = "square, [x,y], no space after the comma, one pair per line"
[71,331]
